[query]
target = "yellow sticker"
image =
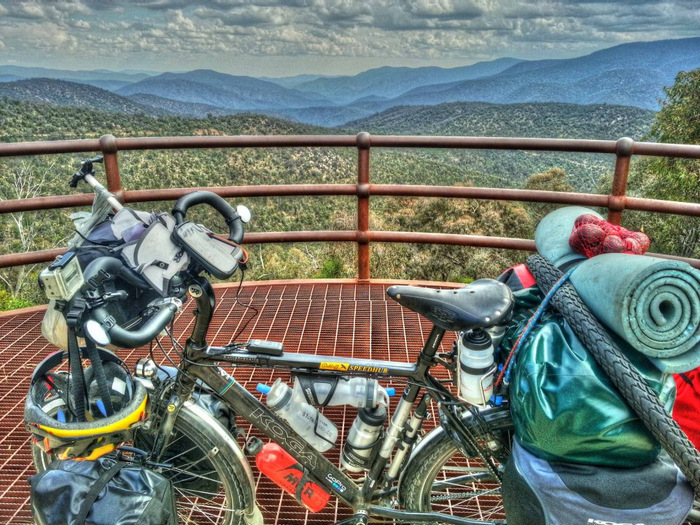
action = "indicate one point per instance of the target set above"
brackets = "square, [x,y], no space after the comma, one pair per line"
[340,367]
[368,369]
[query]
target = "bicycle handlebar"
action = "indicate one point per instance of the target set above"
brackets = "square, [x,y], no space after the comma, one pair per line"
[134,338]
[108,268]
[231,216]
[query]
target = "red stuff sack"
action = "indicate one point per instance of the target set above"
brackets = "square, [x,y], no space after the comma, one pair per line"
[592,236]
[687,405]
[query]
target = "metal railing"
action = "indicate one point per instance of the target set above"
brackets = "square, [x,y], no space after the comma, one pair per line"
[617,201]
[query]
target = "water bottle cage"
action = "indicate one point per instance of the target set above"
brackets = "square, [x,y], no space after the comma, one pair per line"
[305,478]
[307,384]
[366,462]
[319,435]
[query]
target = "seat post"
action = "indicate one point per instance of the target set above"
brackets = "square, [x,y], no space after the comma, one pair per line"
[431,346]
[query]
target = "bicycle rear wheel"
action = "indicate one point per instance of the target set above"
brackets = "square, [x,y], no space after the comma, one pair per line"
[207,477]
[441,478]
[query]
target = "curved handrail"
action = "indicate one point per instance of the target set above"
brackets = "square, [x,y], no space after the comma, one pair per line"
[617,201]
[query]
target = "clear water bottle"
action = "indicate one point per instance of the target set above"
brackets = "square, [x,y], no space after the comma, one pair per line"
[476,367]
[320,390]
[320,432]
[362,438]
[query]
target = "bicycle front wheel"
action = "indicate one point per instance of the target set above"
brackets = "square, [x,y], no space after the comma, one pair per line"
[208,479]
[441,478]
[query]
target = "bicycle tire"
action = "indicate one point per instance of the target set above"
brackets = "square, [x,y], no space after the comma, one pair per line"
[193,506]
[425,486]
[622,374]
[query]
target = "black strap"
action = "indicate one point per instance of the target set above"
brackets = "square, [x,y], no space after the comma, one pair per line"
[95,490]
[99,375]
[76,389]
[305,478]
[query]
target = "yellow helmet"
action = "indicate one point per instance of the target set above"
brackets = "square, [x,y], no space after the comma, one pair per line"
[57,430]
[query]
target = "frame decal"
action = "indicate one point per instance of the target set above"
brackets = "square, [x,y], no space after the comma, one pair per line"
[338,367]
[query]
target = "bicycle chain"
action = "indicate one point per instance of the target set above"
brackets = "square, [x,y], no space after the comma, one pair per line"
[461,495]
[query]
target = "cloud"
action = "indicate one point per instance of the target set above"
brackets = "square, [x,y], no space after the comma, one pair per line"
[453,9]
[228,32]
[27,10]
[246,16]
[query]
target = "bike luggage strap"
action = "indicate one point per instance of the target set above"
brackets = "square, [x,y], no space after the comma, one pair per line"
[508,367]
[95,490]
[78,389]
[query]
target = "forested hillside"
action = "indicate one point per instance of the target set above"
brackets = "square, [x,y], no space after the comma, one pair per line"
[49,175]
[501,169]
[481,119]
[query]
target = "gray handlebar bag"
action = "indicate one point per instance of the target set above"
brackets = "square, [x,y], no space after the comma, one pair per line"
[154,255]
[101,492]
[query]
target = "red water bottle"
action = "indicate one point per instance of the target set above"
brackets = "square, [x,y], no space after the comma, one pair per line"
[284,470]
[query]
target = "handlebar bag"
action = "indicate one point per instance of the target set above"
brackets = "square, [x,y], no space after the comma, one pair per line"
[538,492]
[564,406]
[155,256]
[218,257]
[103,239]
[129,225]
[101,492]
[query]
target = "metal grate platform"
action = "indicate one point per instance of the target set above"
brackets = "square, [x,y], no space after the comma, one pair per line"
[330,318]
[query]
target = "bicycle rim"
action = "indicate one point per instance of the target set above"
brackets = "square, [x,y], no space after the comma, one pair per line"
[445,480]
[207,489]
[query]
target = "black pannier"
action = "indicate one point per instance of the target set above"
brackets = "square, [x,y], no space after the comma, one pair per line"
[101,492]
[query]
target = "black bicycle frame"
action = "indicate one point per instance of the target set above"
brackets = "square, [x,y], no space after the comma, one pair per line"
[203,362]
[261,417]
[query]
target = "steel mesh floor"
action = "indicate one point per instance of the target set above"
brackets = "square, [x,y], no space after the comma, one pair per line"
[330,318]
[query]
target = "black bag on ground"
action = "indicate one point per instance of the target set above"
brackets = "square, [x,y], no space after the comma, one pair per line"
[539,492]
[101,492]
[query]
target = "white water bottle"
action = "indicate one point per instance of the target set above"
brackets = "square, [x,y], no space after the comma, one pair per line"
[363,437]
[476,367]
[320,432]
[320,390]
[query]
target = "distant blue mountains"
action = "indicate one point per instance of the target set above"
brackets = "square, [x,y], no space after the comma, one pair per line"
[629,74]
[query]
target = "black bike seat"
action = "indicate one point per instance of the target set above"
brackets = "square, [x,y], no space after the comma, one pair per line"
[480,304]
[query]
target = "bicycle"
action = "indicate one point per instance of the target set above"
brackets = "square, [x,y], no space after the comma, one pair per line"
[450,475]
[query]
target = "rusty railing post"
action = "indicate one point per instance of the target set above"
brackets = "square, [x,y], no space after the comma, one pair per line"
[363,145]
[616,201]
[109,151]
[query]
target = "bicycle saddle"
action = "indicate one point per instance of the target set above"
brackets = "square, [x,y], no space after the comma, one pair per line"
[480,304]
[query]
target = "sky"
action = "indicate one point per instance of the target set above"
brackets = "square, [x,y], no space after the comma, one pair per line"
[329,37]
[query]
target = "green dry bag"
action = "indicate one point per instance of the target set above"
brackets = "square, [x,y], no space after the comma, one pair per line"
[563,405]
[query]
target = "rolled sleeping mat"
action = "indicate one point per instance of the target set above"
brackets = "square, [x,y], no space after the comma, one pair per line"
[652,303]
[553,232]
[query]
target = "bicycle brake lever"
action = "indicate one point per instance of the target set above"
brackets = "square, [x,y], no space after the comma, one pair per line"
[85,169]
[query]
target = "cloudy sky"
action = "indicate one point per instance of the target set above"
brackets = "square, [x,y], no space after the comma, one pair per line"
[283,38]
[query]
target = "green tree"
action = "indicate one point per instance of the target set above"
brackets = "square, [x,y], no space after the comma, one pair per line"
[450,216]
[24,231]
[552,180]
[674,179]
[679,117]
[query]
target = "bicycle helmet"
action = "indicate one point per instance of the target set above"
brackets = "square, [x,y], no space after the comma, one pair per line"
[53,424]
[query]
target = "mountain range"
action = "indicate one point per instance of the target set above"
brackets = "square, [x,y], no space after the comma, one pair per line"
[629,74]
